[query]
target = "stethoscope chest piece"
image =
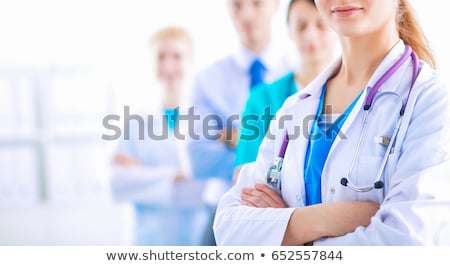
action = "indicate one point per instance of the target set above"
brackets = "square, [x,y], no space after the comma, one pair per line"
[273,175]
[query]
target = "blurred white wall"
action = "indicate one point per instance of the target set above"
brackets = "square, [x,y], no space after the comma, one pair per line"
[98,223]
[63,66]
[113,34]
[433,18]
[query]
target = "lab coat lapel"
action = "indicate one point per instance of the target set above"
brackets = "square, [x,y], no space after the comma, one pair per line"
[304,115]
[348,122]
[395,53]
[303,112]
[298,129]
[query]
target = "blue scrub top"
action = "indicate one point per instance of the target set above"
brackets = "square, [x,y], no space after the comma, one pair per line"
[323,134]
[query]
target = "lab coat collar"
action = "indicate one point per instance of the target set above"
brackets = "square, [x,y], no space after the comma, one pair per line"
[270,57]
[394,54]
[314,89]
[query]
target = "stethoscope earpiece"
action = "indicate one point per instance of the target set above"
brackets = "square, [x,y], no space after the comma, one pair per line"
[346,183]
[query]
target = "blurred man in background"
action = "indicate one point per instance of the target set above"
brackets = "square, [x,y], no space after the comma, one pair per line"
[316,43]
[221,90]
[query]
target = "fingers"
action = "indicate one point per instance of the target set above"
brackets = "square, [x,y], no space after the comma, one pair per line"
[255,198]
[229,138]
[221,137]
[124,160]
[262,197]
[180,176]
[274,196]
[248,203]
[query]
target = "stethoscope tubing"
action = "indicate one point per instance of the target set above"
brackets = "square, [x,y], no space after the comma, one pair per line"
[273,175]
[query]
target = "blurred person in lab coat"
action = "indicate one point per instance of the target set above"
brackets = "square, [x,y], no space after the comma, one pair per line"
[315,44]
[221,90]
[154,173]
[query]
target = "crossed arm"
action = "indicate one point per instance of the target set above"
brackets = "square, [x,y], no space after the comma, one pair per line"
[312,222]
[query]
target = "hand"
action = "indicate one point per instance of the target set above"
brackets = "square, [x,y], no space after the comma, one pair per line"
[344,217]
[125,160]
[262,196]
[180,176]
[229,137]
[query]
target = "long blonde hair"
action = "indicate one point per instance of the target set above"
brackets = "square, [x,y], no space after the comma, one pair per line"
[411,32]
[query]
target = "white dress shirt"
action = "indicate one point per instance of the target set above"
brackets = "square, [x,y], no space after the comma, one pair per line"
[220,93]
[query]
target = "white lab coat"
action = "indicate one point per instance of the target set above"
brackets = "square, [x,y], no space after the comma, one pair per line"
[153,181]
[415,204]
[167,213]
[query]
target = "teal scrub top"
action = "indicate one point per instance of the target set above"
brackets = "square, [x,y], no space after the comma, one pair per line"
[263,103]
[323,134]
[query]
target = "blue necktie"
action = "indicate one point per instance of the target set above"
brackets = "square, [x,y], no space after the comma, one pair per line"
[257,72]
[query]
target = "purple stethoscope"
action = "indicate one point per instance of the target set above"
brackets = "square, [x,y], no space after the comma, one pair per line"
[273,175]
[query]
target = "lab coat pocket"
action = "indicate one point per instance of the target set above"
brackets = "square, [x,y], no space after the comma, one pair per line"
[367,170]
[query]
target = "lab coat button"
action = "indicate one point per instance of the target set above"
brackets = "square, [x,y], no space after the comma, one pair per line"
[298,197]
[332,190]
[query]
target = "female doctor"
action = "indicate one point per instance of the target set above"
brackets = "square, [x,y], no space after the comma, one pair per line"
[153,173]
[361,155]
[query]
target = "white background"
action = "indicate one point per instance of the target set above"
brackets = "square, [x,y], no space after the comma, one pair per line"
[113,34]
